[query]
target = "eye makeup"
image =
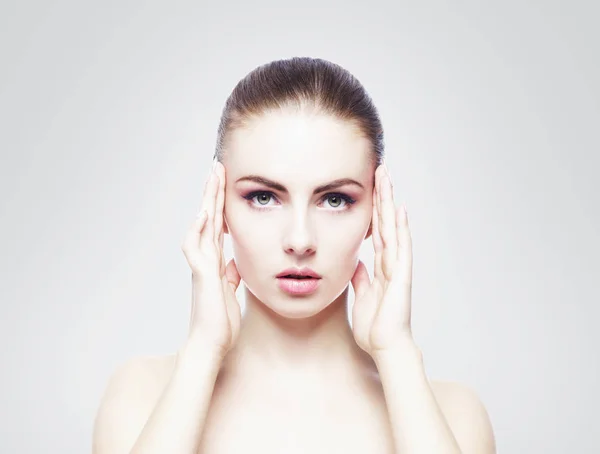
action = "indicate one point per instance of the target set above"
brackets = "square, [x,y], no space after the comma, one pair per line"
[348,201]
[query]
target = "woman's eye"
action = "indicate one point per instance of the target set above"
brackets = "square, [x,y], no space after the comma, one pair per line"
[335,200]
[263,196]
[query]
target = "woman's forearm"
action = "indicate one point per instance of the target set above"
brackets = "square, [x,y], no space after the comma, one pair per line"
[418,424]
[177,421]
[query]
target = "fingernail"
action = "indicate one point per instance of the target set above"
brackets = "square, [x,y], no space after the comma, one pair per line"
[214,163]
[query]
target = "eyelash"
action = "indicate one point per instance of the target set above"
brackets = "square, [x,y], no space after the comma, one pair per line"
[349,200]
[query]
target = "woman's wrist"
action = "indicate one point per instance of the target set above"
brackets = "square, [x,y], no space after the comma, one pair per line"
[197,349]
[406,350]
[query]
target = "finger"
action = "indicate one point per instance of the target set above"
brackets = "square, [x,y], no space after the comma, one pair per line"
[206,181]
[232,279]
[192,235]
[219,204]
[207,240]
[360,280]
[405,257]
[389,235]
[203,204]
[232,275]
[219,201]
[375,235]
[200,222]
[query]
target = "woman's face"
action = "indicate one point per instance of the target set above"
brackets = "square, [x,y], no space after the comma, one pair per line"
[273,229]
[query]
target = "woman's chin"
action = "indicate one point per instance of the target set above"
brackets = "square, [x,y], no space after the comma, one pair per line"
[295,308]
[291,306]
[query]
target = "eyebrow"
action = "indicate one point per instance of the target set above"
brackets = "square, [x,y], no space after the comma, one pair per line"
[281,188]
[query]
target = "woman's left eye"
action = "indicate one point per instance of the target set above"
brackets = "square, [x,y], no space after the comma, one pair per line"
[338,199]
[335,199]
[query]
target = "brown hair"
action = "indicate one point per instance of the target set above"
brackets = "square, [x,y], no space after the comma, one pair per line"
[303,82]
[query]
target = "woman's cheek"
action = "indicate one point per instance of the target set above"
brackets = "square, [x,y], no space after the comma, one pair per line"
[351,242]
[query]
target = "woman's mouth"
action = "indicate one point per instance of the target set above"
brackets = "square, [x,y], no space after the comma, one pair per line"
[299,285]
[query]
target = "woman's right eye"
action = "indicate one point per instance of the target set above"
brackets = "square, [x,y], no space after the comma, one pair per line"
[260,196]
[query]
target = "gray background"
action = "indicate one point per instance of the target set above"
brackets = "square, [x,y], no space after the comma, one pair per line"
[108,122]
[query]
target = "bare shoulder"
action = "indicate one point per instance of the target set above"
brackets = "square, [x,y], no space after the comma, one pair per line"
[128,400]
[466,415]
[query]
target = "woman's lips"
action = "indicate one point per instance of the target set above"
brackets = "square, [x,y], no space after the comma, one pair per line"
[298,286]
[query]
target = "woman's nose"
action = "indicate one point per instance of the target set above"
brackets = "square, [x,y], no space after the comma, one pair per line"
[300,239]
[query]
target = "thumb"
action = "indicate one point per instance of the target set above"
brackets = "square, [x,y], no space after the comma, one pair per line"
[360,280]
[232,274]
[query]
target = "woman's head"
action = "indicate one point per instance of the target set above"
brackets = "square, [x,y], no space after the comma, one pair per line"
[300,123]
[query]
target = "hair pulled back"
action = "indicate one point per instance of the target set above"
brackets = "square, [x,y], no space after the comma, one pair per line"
[304,83]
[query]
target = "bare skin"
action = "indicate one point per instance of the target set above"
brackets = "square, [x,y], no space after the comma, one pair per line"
[289,376]
[343,412]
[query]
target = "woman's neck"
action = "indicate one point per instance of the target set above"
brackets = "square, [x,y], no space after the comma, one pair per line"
[320,343]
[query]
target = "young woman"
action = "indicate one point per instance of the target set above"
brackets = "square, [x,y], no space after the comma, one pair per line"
[299,183]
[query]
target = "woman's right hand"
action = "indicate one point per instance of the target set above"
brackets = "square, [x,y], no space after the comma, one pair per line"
[216,313]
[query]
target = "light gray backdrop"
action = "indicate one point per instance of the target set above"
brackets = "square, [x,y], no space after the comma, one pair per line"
[108,117]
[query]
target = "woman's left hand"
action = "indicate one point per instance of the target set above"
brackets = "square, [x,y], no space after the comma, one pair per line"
[382,308]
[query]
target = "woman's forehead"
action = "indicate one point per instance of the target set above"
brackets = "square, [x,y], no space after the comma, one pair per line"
[297,140]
